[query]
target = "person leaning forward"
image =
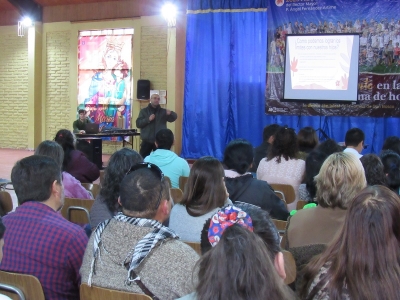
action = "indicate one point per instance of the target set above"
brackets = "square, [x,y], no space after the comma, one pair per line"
[150,120]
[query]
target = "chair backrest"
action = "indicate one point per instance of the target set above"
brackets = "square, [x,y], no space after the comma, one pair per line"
[28,284]
[168,179]
[287,190]
[290,267]
[99,293]
[196,246]
[5,203]
[94,188]
[5,288]
[77,210]
[281,196]
[280,225]
[300,204]
[182,182]
[176,194]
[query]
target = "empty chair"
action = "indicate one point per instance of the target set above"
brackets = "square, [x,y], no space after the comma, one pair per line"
[98,293]
[28,284]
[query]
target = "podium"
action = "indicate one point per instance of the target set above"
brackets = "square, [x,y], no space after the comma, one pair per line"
[92,148]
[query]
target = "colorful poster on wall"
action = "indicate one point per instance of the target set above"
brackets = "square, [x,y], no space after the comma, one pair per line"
[377,23]
[104,79]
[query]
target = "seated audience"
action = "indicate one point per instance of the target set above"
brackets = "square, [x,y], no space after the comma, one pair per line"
[72,187]
[133,251]
[314,161]
[204,194]
[308,231]
[75,162]
[391,167]
[329,147]
[354,142]
[281,165]
[363,260]
[307,140]
[392,143]
[373,168]
[239,265]
[106,204]
[171,164]
[241,185]
[38,240]
[261,151]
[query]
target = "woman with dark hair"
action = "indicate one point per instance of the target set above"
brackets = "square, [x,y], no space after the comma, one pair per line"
[204,194]
[329,147]
[239,265]
[374,171]
[106,204]
[241,185]
[307,140]
[392,143]
[314,161]
[391,167]
[281,165]
[75,162]
[362,263]
[72,187]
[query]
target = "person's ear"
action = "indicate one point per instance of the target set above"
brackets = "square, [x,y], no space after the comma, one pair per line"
[155,143]
[279,264]
[119,201]
[165,207]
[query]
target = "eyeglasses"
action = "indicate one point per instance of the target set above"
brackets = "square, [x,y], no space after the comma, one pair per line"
[156,170]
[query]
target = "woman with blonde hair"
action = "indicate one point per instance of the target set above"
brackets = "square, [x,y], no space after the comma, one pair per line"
[363,260]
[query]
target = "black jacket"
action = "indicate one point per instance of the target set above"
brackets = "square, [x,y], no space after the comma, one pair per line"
[257,192]
[260,152]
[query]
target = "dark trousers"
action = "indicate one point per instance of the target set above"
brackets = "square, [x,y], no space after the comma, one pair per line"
[146,148]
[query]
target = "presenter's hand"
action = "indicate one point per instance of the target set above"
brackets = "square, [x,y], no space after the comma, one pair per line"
[82,131]
[168,112]
[152,117]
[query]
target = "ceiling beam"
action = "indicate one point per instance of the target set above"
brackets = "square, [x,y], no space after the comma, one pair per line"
[28,8]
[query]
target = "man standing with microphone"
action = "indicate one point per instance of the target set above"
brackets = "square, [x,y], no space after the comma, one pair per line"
[150,120]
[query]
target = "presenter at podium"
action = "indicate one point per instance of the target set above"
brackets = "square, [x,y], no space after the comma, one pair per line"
[79,125]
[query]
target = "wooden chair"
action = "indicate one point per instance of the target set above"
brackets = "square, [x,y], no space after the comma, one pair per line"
[6,204]
[99,293]
[94,188]
[176,194]
[280,225]
[28,284]
[77,210]
[286,189]
[168,179]
[300,204]
[290,267]
[281,196]
[196,246]
[182,182]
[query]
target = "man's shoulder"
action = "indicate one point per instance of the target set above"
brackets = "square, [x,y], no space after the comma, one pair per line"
[176,248]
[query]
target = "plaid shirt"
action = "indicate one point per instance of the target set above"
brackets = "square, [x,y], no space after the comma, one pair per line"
[40,242]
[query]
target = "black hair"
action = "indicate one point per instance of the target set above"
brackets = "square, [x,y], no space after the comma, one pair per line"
[82,111]
[329,147]
[66,139]
[354,136]
[269,131]
[314,162]
[33,178]
[238,155]
[392,143]
[391,167]
[51,149]
[284,145]
[164,139]
[374,170]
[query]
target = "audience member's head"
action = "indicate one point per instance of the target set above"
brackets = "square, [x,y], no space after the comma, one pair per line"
[238,156]
[269,133]
[67,141]
[51,149]
[263,227]
[164,139]
[2,231]
[373,167]
[355,139]
[391,167]
[341,177]
[392,143]
[38,178]
[144,193]
[314,162]
[307,139]
[205,188]
[118,165]
[367,248]
[285,144]
[329,147]
[238,267]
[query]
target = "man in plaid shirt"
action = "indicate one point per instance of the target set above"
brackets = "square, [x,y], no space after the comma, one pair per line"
[38,240]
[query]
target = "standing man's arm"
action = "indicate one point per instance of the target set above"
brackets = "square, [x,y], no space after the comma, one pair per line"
[143,120]
[171,115]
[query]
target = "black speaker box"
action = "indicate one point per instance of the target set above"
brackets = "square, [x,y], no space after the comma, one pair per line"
[143,89]
[92,148]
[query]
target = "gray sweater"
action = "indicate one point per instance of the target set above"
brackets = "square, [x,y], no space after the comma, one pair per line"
[166,271]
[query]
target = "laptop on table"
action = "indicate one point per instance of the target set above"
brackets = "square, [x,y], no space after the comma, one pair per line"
[92,128]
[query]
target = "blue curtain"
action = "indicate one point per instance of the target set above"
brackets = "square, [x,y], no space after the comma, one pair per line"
[225,83]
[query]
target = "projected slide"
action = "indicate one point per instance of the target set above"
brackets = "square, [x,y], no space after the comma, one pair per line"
[321,67]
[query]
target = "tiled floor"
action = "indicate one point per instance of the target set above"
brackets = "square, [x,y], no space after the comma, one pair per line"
[8,157]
